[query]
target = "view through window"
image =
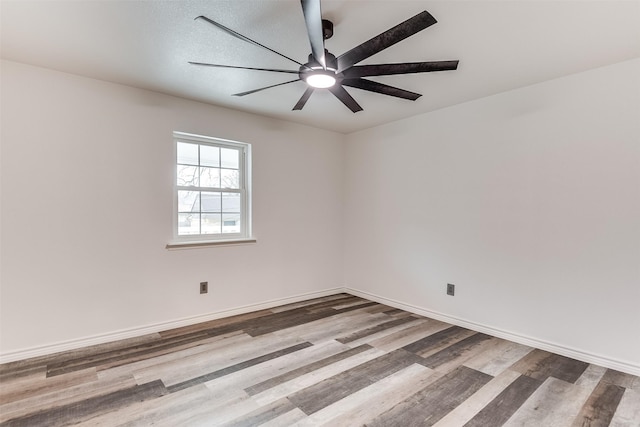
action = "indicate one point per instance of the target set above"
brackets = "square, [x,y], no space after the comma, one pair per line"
[212,195]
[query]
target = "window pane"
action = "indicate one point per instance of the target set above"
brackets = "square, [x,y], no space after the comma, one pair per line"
[187,176]
[187,153]
[231,202]
[210,177]
[230,178]
[188,201]
[188,223]
[209,156]
[229,158]
[210,202]
[230,223]
[211,224]
[211,187]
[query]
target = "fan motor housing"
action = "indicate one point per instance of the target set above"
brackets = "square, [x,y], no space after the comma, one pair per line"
[313,67]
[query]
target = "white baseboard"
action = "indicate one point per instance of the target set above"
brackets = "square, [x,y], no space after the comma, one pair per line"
[596,359]
[157,327]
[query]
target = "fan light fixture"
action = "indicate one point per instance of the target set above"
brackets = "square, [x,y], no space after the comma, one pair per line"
[323,70]
[320,80]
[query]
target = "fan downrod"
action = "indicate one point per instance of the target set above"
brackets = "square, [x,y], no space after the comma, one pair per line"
[327,29]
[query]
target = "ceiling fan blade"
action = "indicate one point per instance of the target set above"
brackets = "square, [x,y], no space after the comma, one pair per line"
[263,88]
[402,68]
[243,68]
[382,41]
[372,86]
[313,19]
[303,99]
[346,99]
[244,38]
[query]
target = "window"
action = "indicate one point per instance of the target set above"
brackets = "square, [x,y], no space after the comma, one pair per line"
[212,199]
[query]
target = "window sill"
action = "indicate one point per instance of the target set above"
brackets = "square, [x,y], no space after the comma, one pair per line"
[208,243]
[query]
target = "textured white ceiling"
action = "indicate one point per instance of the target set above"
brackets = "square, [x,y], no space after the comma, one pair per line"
[501,45]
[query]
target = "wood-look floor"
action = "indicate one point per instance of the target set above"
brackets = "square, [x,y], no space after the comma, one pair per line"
[335,361]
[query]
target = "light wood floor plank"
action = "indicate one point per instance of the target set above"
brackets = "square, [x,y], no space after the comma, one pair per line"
[554,403]
[209,345]
[288,419]
[386,332]
[310,366]
[369,402]
[68,396]
[628,411]
[599,408]
[307,380]
[147,412]
[330,390]
[327,328]
[91,407]
[178,371]
[271,372]
[432,403]
[505,404]
[541,364]
[591,376]
[19,390]
[407,336]
[479,400]
[238,367]
[499,357]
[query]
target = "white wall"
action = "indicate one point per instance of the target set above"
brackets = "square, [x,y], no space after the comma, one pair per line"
[528,201]
[86,210]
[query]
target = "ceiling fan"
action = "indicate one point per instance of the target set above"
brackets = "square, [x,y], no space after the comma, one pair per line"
[323,70]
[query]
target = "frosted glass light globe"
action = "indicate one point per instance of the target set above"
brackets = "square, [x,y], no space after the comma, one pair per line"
[320,80]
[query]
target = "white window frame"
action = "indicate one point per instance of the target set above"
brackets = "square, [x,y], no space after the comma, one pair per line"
[195,240]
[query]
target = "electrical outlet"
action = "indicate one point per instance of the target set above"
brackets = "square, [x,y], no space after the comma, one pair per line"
[204,287]
[451,289]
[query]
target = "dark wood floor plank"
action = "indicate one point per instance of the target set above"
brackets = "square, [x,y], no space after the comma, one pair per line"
[500,409]
[88,408]
[302,304]
[540,364]
[255,325]
[406,336]
[277,380]
[16,373]
[429,405]
[237,367]
[271,325]
[394,311]
[212,324]
[306,303]
[454,351]
[440,338]
[124,355]
[379,308]
[326,392]
[29,366]
[325,304]
[276,320]
[375,329]
[301,318]
[554,403]
[262,415]
[601,405]
[337,305]
[24,390]
[619,378]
